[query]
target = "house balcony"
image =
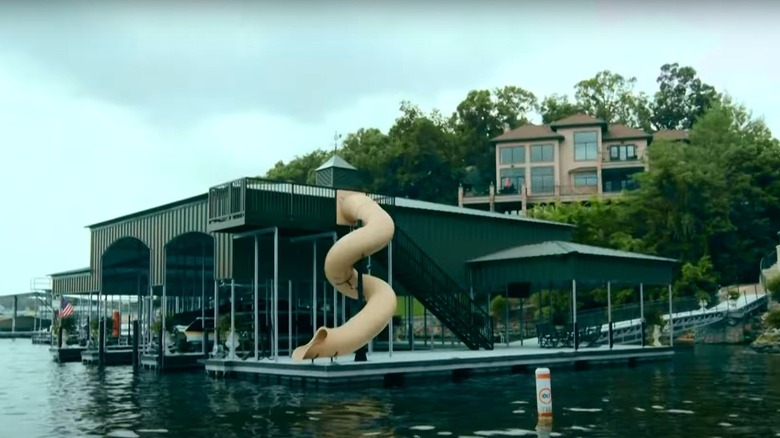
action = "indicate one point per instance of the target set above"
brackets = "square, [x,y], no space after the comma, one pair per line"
[511,199]
[608,162]
[249,203]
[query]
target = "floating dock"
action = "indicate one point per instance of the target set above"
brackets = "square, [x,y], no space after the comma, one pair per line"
[171,362]
[67,354]
[122,356]
[400,368]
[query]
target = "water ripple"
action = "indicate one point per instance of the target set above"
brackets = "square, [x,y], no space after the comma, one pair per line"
[730,393]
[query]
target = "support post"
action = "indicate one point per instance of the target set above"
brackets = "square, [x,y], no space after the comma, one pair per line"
[506,315]
[216,317]
[370,341]
[610,328]
[232,334]
[360,354]
[289,318]
[59,332]
[164,316]
[671,319]
[314,289]
[136,333]
[101,341]
[574,315]
[390,282]
[205,337]
[16,310]
[276,295]
[255,289]
[643,324]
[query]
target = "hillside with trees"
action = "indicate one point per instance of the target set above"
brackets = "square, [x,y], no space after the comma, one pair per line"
[713,202]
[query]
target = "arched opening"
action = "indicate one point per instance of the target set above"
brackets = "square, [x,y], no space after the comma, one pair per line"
[189,293]
[125,274]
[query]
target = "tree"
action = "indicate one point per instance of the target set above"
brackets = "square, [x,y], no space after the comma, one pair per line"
[749,161]
[300,169]
[717,196]
[557,107]
[601,223]
[482,116]
[611,97]
[697,278]
[682,98]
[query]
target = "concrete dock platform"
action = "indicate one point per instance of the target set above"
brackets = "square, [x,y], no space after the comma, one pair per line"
[400,368]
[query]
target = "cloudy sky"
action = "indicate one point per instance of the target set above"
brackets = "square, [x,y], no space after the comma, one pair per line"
[105,110]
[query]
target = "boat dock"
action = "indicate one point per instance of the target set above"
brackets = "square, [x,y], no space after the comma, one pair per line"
[385,370]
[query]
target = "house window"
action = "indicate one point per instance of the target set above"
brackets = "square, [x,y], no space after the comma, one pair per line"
[618,185]
[542,153]
[511,180]
[586,179]
[512,155]
[542,179]
[586,145]
[623,152]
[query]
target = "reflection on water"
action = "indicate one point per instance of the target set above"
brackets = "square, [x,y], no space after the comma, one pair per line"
[706,391]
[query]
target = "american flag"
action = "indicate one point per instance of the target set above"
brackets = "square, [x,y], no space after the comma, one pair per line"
[66,309]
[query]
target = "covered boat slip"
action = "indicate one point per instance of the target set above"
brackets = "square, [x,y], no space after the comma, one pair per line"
[556,279]
[246,259]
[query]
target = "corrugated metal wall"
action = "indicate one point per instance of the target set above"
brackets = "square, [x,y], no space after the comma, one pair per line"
[451,239]
[74,283]
[494,276]
[157,229]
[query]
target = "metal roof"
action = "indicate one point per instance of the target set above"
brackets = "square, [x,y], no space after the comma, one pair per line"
[560,248]
[81,271]
[336,161]
[444,208]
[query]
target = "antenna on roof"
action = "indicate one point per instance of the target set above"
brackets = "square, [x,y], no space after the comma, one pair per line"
[336,138]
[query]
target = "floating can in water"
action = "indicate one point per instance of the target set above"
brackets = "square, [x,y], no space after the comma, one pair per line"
[544,396]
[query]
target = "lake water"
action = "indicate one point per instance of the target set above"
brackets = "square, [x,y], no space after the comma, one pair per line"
[706,391]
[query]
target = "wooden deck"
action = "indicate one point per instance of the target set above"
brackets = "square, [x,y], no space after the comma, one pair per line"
[384,370]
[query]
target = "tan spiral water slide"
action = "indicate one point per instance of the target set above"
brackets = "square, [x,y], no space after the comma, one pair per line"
[377,231]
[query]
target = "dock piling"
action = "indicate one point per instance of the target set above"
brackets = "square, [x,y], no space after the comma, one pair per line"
[136,334]
[101,341]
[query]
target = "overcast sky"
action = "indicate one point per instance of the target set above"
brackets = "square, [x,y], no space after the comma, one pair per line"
[106,110]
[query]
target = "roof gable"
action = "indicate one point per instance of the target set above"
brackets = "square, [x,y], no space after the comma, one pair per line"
[559,248]
[623,132]
[336,162]
[671,134]
[528,131]
[578,120]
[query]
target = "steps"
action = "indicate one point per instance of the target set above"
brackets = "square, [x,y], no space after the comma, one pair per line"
[438,292]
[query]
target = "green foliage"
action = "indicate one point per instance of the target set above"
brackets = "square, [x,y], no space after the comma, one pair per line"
[653,317]
[682,98]
[712,202]
[68,324]
[551,305]
[773,286]
[772,319]
[696,279]
[498,306]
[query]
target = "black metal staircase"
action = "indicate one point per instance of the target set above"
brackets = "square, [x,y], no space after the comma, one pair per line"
[438,292]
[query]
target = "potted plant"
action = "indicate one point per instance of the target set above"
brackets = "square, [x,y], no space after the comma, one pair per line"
[67,326]
[654,319]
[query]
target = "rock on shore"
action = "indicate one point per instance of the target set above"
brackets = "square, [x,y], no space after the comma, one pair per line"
[767,342]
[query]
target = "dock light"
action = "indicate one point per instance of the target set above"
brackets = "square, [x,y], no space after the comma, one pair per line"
[544,407]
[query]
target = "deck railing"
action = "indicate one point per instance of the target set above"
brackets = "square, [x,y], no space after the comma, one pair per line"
[243,201]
